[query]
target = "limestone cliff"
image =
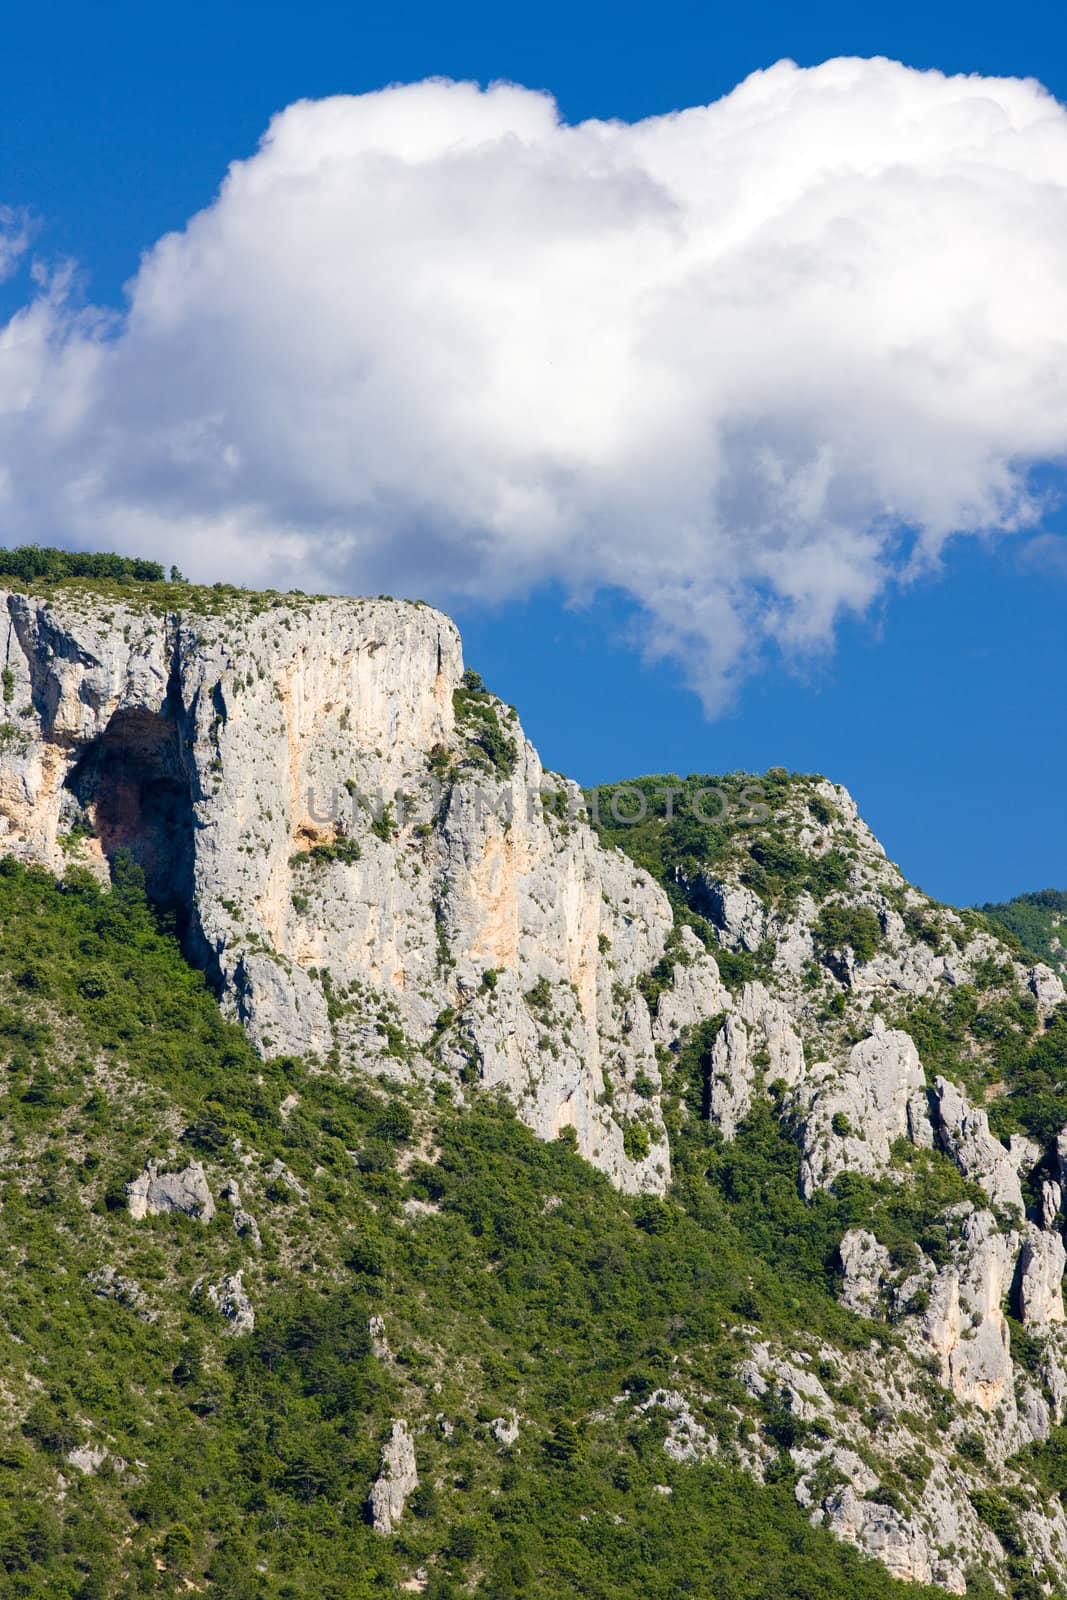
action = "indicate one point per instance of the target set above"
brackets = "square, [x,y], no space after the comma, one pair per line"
[357,877]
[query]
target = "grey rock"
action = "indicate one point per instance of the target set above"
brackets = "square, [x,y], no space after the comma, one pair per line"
[230,1299]
[757,1042]
[880,1531]
[696,992]
[244,1223]
[687,1439]
[1041,1265]
[1046,987]
[506,1429]
[730,1089]
[866,1265]
[737,913]
[963,1322]
[89,1458]
[397,1479]
[154,1193]
[284,726]
[856,1113]
[278,1172]
[110,1284]
[965,1136]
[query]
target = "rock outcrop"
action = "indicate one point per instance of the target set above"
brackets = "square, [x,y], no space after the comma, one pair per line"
[300,780]
[244,1223]
[856,1113]
[397,1479]
[231,1300]
[154,1193]
[865,1265]
[1041,1267]
[965,1136]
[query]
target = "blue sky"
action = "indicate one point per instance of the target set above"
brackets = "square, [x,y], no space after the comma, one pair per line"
[941,707]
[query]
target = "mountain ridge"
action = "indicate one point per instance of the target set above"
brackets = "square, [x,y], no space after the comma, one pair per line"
[1038,920]
[832,1105]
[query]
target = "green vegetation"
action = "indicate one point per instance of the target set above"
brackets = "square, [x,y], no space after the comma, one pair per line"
[343,849]
[855,928]
[249,1460]
[384,824]
[1038,921]
[989,1040]
[136,583]
[30,562]
[478,716]
[689,832]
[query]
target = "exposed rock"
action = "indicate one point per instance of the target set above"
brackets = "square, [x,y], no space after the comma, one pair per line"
[756,1043]
[856,1113]
[1045,986]
[965,1136]
[89,1458]
[687,1439]
[812,1463]
[244,1223]
[865,1264]
[154,1193]
[299,782]
[880,1531]
[776,1034]
[730,1086]
[378,1342]
[248,760]
[397,1479]
[1053,1372]
[737,913]
[696,992]
[1041,1266]
[230,1298]
[964,1323]
[109,1284]
[506,1429]
[278,1172]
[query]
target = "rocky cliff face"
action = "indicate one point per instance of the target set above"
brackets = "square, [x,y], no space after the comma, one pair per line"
[359,878]
[855,966]
[366,856]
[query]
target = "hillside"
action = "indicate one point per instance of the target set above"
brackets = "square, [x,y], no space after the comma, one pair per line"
[1038,921]
[419,1176]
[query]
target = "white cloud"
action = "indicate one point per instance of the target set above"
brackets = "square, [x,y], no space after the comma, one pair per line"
[1045,555]
[749,362]
[15,231]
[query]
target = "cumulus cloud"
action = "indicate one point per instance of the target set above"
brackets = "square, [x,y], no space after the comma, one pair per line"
[749,363]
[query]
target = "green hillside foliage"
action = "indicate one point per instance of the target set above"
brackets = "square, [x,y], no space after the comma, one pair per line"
[30,562]
[1038,921]
[687,832]
[520,1281]
[684,829]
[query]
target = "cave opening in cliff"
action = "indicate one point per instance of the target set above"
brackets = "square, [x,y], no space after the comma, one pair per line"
[132,786]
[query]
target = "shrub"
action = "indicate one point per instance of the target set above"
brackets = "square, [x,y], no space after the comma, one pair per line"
[848,927]
[636,1141]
